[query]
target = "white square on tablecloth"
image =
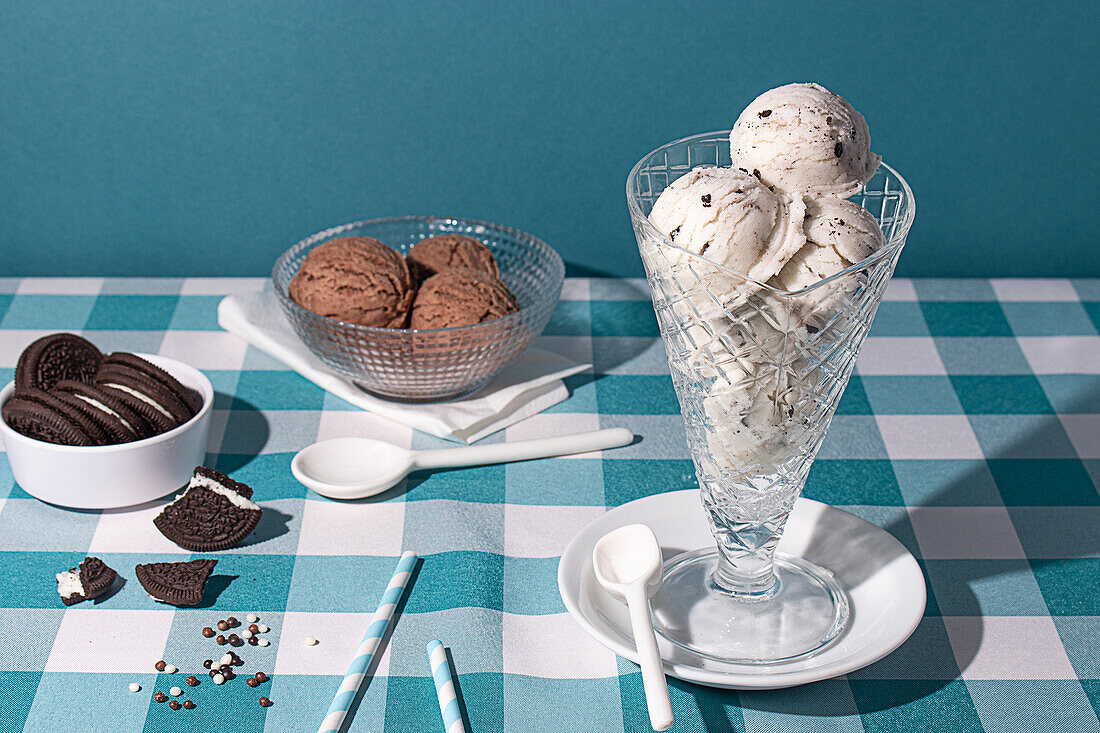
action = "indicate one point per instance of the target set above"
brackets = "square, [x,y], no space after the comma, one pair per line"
[132,530]
[965,533]
[575,348]
[544,531]
[900,289]
[222,285]
[547,425]
[105,640]
[575,288]
[60,286]
[205,349]
[553,646]
[348,528]
[928,436]
[362,424]
[1034,290]
[1084,433]
[338,636]
[900,355]
[446,525]
[13,341]
[1062,354]
[1008,648]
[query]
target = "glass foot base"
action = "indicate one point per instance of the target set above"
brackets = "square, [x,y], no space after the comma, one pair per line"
[808,612]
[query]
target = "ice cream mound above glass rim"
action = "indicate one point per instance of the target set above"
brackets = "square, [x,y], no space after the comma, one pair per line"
[445,281]
[778,214]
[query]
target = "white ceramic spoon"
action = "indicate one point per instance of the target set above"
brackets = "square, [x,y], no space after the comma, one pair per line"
[354,468]
[627,562]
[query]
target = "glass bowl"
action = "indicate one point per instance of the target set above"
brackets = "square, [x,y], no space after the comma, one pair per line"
[429,365]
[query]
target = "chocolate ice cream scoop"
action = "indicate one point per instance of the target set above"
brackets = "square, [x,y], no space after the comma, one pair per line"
[355,279]
[447,251]
[461,297]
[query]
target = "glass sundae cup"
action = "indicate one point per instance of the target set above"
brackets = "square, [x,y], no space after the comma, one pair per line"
[758,372]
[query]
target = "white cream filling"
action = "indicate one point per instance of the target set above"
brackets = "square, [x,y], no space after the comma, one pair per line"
[100,406]
[69,585]
[143,397]
[202,482]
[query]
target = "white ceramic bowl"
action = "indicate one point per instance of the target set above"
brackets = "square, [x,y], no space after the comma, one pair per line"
[108,476]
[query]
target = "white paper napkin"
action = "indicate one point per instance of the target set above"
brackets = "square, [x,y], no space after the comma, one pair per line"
[527,386]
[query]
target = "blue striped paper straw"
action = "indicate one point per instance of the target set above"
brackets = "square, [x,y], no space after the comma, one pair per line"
[341,703]
[445,688]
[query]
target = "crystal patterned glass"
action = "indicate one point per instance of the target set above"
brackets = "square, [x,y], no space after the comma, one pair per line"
[434,364]
[758,372]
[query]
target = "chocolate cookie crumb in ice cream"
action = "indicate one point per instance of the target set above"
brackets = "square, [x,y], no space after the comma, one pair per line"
[355,279]
[461,297]
[446,252]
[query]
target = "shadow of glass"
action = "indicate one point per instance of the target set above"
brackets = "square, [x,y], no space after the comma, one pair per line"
[929,649]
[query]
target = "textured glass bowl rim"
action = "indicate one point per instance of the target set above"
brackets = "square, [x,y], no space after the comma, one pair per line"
[380,332]
[635,206]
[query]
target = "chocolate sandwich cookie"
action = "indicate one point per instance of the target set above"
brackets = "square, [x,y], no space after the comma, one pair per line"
[121,422]
[154,415]
[55,357]
[135,363]
[41,416]
[111,427]
[214,513]
[175,583]
[89,580]
[156,395]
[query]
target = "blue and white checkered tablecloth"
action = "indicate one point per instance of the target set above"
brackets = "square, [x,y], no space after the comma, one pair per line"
[971,432]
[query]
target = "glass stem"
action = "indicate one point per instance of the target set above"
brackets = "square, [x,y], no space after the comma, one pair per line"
[745,551]
[748,576]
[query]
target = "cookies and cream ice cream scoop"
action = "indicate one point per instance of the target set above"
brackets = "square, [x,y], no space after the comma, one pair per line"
[803,138]
[731,219]
[839,234]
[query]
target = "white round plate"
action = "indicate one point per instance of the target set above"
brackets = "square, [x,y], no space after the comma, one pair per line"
[883,581]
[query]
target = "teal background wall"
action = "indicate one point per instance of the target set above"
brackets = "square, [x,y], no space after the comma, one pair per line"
[162,138]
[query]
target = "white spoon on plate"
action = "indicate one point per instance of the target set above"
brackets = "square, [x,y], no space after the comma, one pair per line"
[355,468]
[627,562]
